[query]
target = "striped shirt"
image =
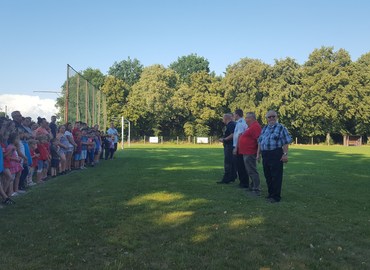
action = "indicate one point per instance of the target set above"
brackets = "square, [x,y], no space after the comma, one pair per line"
[274,137]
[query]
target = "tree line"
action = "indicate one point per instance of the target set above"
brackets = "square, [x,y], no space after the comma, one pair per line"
[326,97]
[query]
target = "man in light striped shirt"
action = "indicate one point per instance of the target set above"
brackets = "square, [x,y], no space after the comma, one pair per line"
[240,127]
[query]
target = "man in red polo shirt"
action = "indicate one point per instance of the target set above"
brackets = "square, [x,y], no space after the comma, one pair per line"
[247,146]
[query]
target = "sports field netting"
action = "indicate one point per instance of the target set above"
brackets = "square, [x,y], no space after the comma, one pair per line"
[83,101]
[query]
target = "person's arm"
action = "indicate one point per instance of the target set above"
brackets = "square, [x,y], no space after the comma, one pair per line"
[284,158]
[258,157]
[21,155]
[71,140]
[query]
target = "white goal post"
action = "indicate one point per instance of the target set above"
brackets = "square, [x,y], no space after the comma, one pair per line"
[123,131]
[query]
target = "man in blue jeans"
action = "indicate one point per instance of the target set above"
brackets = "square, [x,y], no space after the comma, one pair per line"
[227,140]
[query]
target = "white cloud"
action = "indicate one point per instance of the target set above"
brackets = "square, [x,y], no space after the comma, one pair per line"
[32,106]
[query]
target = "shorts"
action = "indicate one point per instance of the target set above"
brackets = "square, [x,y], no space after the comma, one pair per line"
[41,164]
[77,157]
[83,154]
[54,163]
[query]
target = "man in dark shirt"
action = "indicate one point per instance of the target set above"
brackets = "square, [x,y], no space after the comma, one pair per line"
[227,140]
[17,119]
[53,126]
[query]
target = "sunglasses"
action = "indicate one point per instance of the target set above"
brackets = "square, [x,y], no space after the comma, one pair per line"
[271,116]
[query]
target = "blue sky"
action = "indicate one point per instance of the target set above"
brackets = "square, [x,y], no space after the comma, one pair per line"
[39,38]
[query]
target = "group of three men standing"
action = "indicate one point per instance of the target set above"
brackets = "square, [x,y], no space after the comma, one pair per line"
[244,142]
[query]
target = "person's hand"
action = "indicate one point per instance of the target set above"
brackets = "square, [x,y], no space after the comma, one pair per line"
[235,151]
[258,157]
[284,159]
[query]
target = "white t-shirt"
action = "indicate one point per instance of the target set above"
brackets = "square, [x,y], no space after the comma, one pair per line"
[113,131]
[240,127]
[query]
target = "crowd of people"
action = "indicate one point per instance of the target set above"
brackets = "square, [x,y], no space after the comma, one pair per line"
[33,152]
[245,142]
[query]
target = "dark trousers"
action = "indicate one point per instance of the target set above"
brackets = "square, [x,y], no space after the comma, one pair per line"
[229,166]
[22,179]
[90,156]
[109,153]
[242,172]
[273,170]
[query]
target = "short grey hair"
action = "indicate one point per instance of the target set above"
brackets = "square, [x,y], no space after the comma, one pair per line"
[251,114]
[270,112]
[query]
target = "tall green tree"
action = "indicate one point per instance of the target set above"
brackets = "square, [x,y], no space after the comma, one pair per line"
[185,66]
[325,78]
[359,97]
[151,103]
[284,94]
[116,93]
[128,71]
[206,104]
[246,83]
[94,76]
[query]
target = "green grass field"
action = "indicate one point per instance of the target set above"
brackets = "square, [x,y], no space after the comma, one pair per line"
[158,207]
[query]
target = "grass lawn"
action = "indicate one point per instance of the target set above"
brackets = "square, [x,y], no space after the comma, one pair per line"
[158,207]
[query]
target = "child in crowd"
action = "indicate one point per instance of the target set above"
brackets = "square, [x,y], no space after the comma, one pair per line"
[15,166]
[77,154]
[7,175]
[91,148]
[34,157]
[5,199]
[26,160]
[55,156]
[43,150]
[109,147]
[84,144]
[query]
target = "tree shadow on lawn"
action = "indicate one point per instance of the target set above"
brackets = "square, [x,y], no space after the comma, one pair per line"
[172,214]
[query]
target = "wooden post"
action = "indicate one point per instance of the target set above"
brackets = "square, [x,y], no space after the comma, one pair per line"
[86,101]
[78,98]
[99,109]
[67,97]
[93,107]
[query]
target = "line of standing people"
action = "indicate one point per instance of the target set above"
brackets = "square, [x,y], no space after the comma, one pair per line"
[245,142]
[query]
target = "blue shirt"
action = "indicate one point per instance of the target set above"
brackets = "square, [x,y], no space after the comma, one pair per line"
[1,160]
[274,137]
[27,152]
[240,127]
[84,139]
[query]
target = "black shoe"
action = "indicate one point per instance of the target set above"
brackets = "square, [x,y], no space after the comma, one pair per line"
[8,201]
[242,186]
[222,182]
[272,200]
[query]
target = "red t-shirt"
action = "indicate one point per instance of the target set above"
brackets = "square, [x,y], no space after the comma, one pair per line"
[43,149]
[34,158]
[247,144]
